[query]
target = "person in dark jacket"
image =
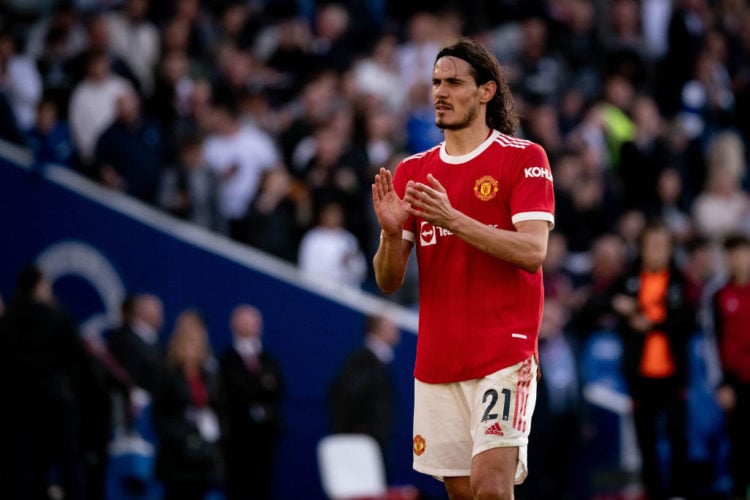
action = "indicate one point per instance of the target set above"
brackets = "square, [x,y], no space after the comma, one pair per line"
[130,153]
[46,377]
[655,321]
[188,411]
[135,344]
[363,396]
[253,384]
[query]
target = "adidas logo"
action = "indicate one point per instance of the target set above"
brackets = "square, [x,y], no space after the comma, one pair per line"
[494,429]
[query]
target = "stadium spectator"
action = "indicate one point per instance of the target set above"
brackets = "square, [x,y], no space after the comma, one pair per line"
[254,386]
[330,253]
[47,377]
[136,346]
[378,74]
[64,24]
[189,413]
[239,154]
[98,40]
[731,317]
[417,53]
[558,421]
[190,190]
[643,157]
[135,40]
[723,206]
[93,103]
[332,43]
[19,81]
[655,321]
[362,395]
[671,204]
[130,153]
[278,215]
[49,139]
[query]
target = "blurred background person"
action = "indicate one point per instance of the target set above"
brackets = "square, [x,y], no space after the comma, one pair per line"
[330,253]
[189,412]
[731,322]
[49,138]
[19,81]
[47,379]
[93,103]
[655,321]
[362,395]
[130,153]
[137,347]
[190,190]
[135,39]
[555,453]
[723,205]
[239,154]
[254,387]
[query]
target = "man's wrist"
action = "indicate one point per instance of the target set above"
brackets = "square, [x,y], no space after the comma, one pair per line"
[391,236]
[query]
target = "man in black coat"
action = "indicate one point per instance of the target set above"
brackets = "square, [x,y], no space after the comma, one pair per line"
[253,387]
[48,386]
[136,345]
[362,396]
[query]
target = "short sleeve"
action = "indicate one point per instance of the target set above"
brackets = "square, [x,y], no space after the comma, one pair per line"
[400,178]
[533,195]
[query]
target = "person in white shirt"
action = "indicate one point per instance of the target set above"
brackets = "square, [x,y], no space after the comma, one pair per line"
[240,154]
[331,253]
[92,104]
[19,81]
[136,40]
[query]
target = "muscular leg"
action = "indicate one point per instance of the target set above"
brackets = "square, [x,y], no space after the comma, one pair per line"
[458,488]
[492,477]
[493,473]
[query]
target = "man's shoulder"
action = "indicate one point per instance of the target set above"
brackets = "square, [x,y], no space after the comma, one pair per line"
[427,153]
[512,143]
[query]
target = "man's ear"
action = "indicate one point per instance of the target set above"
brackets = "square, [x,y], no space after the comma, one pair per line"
[487,91]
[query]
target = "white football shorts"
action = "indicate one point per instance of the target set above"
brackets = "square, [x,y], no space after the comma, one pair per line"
[456,421]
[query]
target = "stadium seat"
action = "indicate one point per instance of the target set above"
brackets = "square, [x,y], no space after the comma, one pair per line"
[351,468]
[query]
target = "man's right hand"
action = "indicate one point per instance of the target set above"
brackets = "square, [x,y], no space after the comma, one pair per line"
[389,208]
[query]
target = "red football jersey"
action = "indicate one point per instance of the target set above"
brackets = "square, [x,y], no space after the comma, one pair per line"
[732,308]
[478,314]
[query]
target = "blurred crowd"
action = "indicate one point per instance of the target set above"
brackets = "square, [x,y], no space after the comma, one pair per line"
[130,412]
[265,121]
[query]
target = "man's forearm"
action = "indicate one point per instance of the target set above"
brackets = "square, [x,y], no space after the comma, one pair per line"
[390,263]
[525,249]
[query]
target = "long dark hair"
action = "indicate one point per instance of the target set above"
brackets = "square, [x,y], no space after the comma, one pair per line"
[484,67]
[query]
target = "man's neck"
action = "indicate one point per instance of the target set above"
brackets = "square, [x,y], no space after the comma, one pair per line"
[465,140]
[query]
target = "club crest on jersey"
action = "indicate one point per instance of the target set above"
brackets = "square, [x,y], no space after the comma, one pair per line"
[427,234]
[419,445]
[485,187]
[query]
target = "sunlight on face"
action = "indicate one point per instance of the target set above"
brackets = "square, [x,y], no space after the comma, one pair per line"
[455,94]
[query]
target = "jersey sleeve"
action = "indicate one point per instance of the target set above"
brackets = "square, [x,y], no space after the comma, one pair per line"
[400,179]
[532,196]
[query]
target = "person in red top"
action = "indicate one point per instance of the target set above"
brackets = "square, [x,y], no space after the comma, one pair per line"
[478,208]
[732,322]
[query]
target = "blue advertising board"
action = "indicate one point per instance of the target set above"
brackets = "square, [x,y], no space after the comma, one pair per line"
[98,245]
